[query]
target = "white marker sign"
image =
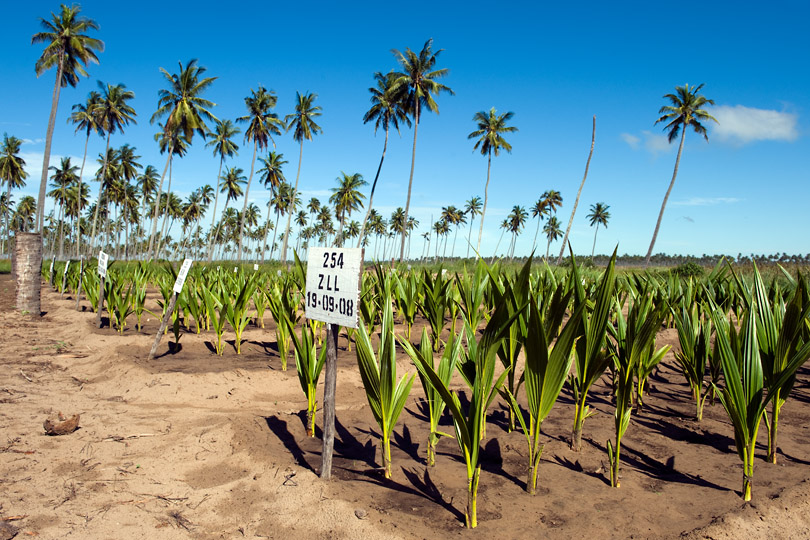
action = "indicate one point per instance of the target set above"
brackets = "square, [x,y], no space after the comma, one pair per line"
[102,264]
[51,270]
[255,267]
[181,276]
[235,270]
[67,265]
[333,285]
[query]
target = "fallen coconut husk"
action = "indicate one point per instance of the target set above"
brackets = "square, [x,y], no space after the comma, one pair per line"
[61,426]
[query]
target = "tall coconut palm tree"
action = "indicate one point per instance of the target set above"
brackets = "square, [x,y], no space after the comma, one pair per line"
[599,215]
[12,174]
[386,110]
[63,177]
[224,146]
[272,176]
[415,87]
[302,122]
[473,208]
[176,143]
[69,49]
[687,109]
[113,112]
[579,192]
[147,187]
[78,198]
[85,117]
[23,219]
[347,197]
[262,125]
[231,185]
[548,202]
[281,203]
[552,231]
[185,112]
[491,127]
[517,219]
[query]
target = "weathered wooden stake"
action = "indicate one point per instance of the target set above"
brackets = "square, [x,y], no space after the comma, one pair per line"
[64,280]
[330,382]
[163,324]
[51,276]
[79,288]
[100,301]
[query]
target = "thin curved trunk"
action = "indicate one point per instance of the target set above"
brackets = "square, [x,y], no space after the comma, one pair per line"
[163,230]
[244,206]
[266,229]
[494,255]
[61,227]
[534,244]
[595,232]
[211,234]
[666,197]
[576,202]
[410,180]
[292,205]
[469,233]
[79,198]
[484,210]
[453,251]
[275,231]
[157,204]
[371,195]
[100,188]
[46,157]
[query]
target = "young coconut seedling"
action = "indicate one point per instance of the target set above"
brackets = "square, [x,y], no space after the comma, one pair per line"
[633,345]
[433,399]
[543,376]
[216,315]
[309,365]
[385,394]
[694,332]
[434,303]
[478,370]
[236,310]
[591,357]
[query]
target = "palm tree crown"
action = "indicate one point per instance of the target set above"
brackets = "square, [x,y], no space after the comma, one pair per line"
[491,127]
[181,102]
[68,48]
[687,109]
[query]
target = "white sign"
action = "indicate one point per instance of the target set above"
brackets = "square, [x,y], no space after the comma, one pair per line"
[102,264]
[67,265]
[51,270]
[255,267]
[181,276]
[333,285]
[235,269]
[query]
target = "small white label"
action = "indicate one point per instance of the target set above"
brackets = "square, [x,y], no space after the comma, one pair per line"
[333,285]
[218,268]
[102,264]
[51,270]
[67,265]
[236,269]
[181,276]
[278,273]
[255,267]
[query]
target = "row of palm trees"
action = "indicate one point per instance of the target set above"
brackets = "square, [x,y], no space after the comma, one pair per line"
[399,97]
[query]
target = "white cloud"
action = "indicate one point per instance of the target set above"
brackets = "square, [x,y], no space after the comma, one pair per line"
[743,125]
[631,140]
[35,141]
[33,165]
[706,201]
[652,142]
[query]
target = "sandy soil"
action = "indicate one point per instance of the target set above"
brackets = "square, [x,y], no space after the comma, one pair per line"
[192,445]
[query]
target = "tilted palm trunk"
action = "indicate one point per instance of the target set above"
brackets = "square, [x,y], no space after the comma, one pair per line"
[410,180]
[157,204]
[576,202]
[595,232]
[100,188]
[244,206]
[61,229]
[266,230]
[484,210]
[164,231]
[79,199]
[666,197]
[371,195]
[46,157]
[469,233]
[211,234]
[292,205]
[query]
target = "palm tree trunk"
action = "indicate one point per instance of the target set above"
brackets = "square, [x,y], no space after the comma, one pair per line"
[79,198]
[469,232]
[292,204]
[266,229]
[536,232]
[373,187]
[163,230]
[410,180]
[453,251]
[46,157]
[576,202]
[150,254]
[214,215]
[494,255]
[244,206]
[548,247]
[61,227]
[666,197]
[100,187]
[275,231]
[484,210]
[595,232]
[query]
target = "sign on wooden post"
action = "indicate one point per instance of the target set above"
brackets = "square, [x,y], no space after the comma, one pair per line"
[50,272]
[177,289]
[64,279]
[79,288]
[102,272]
[332,296]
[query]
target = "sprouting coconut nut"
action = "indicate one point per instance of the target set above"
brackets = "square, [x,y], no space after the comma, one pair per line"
[62,427]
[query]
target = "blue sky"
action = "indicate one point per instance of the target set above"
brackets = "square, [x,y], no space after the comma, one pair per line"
[554,66]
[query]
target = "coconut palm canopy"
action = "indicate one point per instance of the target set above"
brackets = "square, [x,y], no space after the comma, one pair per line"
[439,71]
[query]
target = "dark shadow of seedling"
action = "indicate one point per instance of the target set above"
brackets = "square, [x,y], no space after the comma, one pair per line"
[406,443]
[347,446]
[428,489]
[280,430]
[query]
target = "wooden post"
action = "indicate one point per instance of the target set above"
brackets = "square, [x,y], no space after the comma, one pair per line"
[330,382]
[28,268]
[51,275]
[79,288]
[100,301]
[163,323]
[64,279]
